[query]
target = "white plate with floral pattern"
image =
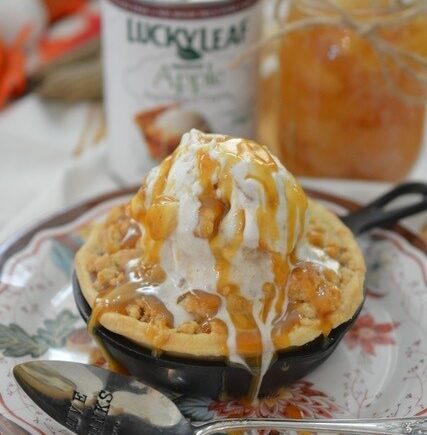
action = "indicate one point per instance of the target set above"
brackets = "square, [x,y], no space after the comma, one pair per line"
[379,369]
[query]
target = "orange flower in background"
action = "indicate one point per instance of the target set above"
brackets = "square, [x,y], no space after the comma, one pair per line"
[59,8]
[40,34]
[80,29]
[12,67]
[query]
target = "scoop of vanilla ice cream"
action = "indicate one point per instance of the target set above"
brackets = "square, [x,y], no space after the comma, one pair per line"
[235,216]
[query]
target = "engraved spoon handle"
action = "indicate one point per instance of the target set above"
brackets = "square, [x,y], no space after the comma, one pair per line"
[411,426]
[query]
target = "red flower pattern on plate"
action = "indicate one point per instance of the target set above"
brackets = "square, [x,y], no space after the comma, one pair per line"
[367,334]
[297,401]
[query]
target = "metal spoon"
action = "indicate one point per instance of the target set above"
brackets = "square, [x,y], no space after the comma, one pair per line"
[91,400]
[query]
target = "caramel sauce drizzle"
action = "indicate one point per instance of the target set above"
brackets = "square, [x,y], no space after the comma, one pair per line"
[159,220]
[152,218]
[114,300]
[248,337]
[297,205]
[262,169]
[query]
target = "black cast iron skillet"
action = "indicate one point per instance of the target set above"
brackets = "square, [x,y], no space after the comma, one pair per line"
[194,377]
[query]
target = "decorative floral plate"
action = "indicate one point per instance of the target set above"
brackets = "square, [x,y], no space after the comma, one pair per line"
[379,369]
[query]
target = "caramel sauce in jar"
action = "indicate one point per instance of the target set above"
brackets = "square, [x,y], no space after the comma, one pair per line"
[352,97]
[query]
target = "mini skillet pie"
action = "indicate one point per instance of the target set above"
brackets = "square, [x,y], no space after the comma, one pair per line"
[220,254]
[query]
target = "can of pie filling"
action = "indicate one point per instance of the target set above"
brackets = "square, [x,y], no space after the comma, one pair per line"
[168,67]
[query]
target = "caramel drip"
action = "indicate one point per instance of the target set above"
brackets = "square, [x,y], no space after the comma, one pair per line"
[114,300]
[160,184]
[283,327]
[268,225]
[248,337]
[281,274]
[269,292]
[212,209]
[152,247]
[207,169]
[262,172]
[159,220]
[136,207]
[296,207]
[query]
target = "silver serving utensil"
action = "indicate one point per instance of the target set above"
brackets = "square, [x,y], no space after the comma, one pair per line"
[91,400]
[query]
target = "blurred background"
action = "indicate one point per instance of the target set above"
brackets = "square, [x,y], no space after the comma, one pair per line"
[340,94]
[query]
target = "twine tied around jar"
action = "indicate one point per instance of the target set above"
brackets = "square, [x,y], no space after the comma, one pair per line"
[331,13]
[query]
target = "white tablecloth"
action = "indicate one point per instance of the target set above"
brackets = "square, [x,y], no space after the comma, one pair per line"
[51,156]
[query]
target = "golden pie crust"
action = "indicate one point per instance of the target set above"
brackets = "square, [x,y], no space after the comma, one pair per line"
[100,264]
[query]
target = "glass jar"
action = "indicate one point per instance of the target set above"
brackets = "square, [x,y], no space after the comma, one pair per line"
[353,84]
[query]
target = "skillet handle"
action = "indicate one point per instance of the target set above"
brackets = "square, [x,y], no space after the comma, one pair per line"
[375,215]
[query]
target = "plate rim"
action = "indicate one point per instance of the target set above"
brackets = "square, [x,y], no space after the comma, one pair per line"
[23,237]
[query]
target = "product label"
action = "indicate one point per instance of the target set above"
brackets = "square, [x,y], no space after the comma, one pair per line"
[170,69]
